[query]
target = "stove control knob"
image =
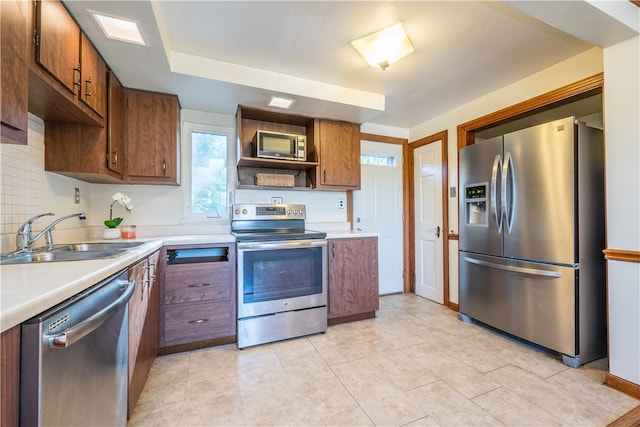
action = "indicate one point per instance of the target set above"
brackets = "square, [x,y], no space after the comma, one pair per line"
[244,211]
[289,212]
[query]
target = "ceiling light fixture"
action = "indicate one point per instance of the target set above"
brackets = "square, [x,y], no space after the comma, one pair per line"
[384,47]
[118,28]
[280,102]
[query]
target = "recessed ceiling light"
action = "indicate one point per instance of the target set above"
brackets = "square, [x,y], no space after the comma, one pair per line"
[280,102]
[118,28]
[384,47]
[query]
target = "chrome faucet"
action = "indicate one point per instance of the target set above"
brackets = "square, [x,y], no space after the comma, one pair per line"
[24,238]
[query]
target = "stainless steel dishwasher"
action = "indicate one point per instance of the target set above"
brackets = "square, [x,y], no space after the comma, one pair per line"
[74,359]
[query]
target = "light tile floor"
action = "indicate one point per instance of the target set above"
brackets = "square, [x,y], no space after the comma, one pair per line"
[415,364]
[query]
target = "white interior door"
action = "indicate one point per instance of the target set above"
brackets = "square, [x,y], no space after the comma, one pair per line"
[427,176]
[378,207]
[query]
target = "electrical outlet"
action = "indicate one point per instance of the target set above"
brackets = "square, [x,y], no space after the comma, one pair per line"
[277,200]
[77,196]
[340,203]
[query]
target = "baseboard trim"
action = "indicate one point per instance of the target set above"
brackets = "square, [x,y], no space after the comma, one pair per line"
[625,386]
[179,348]
[351,318]
[630,419]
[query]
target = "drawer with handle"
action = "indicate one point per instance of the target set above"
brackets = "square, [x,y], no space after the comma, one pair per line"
[197,282]
[197,322]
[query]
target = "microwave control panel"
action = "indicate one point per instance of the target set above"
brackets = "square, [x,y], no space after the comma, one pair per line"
[302,148]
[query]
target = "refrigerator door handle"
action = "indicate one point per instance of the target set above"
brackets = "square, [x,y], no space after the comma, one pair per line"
[524,270]
[507,174]
[497,165]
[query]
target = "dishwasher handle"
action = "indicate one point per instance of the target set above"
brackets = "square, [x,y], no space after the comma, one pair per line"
[68,337]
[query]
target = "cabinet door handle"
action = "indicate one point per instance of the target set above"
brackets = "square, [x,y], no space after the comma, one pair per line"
[191,322]
[88,87]
[333,251]
[198,285]
[77,81]
[164,167]
[115,157]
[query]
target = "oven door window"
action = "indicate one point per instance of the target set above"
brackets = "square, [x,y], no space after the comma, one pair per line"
[281,273]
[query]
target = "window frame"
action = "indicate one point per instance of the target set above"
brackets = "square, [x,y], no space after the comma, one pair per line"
[187,129]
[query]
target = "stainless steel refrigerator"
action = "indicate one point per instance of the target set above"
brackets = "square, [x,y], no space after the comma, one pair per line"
[532,236]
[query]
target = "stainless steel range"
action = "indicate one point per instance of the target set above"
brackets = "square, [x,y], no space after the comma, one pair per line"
[282,273]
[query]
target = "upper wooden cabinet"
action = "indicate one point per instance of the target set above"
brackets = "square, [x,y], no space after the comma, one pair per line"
[93,73]
[89,153]
[151,129]
[115,125]
[338,146]
[333,151]
[138,145]
[67,76]
[68,55]
[15,19]
[58,43]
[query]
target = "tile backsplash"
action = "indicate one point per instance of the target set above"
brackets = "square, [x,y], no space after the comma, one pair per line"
[22,179]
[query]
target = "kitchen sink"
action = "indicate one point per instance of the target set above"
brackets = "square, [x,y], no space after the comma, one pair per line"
[71,252]
[96,247]
[55,255]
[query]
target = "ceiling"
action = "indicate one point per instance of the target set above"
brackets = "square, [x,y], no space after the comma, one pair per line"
[217,54]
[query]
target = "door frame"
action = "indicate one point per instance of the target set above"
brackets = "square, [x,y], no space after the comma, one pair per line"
[405,199]
[466,132]
[581,89]
[410,222]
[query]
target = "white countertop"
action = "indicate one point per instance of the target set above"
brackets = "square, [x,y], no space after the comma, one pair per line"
[29,289]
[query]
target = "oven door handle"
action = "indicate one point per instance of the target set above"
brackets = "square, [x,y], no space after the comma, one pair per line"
[282,244]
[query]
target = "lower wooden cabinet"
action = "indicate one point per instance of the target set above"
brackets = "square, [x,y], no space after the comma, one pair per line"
[198,297]
[144,307]
[352,278]
[10,377]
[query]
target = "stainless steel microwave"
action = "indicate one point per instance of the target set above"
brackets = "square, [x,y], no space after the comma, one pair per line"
[284,146]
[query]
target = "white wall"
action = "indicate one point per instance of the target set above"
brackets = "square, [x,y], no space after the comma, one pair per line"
[573,69]
[27,190]
[622,145]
